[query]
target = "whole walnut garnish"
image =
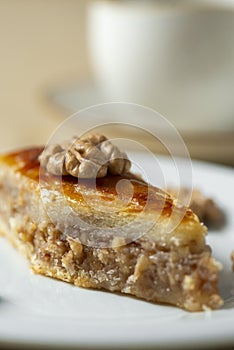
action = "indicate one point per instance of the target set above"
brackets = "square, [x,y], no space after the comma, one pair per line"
[89,157]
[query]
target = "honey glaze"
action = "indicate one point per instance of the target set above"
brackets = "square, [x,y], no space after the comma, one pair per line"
[26,163]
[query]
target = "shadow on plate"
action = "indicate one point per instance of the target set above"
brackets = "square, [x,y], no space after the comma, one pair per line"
[227,287]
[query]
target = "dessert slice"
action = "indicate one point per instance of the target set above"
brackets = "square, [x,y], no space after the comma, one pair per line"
[111,233]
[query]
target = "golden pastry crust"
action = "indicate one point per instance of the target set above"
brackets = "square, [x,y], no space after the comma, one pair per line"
[175,268]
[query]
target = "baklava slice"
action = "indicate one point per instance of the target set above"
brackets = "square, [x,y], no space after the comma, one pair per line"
[112,232]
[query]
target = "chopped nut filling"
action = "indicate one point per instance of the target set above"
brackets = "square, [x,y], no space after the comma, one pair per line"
[89,157]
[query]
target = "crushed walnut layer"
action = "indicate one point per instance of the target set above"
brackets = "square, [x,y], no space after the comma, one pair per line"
[89,157]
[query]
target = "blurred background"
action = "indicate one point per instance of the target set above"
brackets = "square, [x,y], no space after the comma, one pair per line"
[177,57]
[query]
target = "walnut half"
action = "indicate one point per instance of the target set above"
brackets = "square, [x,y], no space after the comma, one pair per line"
[89,157]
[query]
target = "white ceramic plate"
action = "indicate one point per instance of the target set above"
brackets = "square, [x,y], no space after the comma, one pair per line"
[38,310]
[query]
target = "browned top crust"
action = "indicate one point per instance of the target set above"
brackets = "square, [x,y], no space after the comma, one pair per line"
[26,163]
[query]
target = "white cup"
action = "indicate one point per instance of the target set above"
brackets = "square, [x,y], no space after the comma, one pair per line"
[176,57]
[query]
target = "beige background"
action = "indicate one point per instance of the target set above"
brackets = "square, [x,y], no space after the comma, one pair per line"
[42,44]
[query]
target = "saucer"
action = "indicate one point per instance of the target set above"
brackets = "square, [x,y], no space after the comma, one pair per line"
[207,142]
